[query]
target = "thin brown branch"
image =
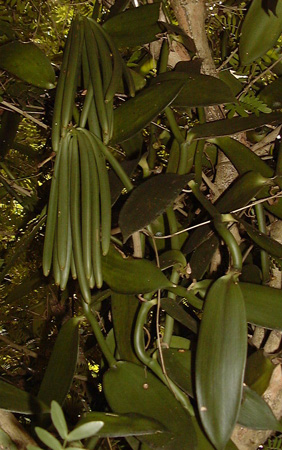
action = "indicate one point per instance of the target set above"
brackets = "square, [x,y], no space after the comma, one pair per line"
[12,107]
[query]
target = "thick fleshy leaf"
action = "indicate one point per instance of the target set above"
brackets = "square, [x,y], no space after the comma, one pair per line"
[259,369]
[124,310]
[18,401]
[131,389]
[265,242]
[202,441]
[272,94]
[256,40]
[176,311]
[135,114]
[62,363]
[234,84]
[178,367]
[242,158]
[198,90]
[122,27]
[172,258]
[48,439]
[132,276]
[227,127]
[220,359]
[263,305]
[120,425]
[27,62]
[149,200]
[256,414]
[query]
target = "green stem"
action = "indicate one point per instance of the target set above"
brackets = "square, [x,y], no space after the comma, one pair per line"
[99,335]
[174,126]
[265,266]
[152,363]
[169,321]
[199,161]
[164,57]
[186,158]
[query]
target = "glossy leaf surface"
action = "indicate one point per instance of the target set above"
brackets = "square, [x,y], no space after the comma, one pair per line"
[272,94]
[18,401]
[124,310]
[134,114]
[176,311]
[122,27]
[130,389]
[118,425]
[231,126]
[131,276]
[149,200]
[256,40]
[27,62]
[178,367]
[263,305]
[259,369]
[265,242]
[255,413]
[62,363]
[220,359]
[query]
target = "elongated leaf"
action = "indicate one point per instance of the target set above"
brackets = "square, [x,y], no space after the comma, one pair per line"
[259,369]
[265,242]
[27,62]
[178,367]
[61,367]
[173,308]
[27,285]
[227,127]
[18,401]
[48,439]
[132,276]
[172,258]
[124,310]
[242,158]
[122,27]
[130,389]
[272,94]
[119,425]
[256,414]
[85,430]
[263,305]
[134,114]
[198,90]
[58,419]
[256,40]
[220,360]
[149,200]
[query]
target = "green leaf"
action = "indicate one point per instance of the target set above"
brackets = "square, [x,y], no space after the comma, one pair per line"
[259,369]
[18,401]
[62,363]
[265,242]
[256,40]
[124,310]
[132,276]
[120,425]
[27,62]
[6,442]
[198,90]
[234,84]
[131,389]
[32,447]
[122,27]
[263,305]
[203,442]
[134,114]
[58,419]
[28,284]
[220,359]
[149,200]
[272,94]
[227,127]
[173,309]
[172,258]
[48,439]
[256,414]
[85,431]
[178,367]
